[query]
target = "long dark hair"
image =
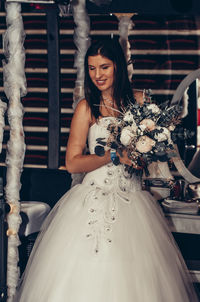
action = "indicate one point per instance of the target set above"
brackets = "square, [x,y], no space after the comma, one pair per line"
[122,91]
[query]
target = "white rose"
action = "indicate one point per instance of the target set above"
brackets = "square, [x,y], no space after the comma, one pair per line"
[134,127]
[144,144]
[154,108]
[148,123]
[160,137]
[126,136]
[163,136]
[166,131]
[128,117]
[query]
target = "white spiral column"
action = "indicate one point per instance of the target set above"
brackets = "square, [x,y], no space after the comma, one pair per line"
[82,42]
[15,88]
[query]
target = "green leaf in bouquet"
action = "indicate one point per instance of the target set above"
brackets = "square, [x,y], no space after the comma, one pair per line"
[99,150]
[114,145]
[101,141]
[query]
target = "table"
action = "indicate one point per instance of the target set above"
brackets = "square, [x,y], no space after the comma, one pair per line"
[183,223]
[190,224]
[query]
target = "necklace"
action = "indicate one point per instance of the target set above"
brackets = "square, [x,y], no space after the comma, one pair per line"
[111,102]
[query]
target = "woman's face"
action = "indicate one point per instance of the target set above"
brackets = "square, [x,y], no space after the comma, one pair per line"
[101,71]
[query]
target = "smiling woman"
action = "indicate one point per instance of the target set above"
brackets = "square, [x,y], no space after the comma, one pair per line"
[106,239]
[101,71]
[106,78]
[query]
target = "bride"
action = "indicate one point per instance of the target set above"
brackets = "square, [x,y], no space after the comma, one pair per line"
[106,240]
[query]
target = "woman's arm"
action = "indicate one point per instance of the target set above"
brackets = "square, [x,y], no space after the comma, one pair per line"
[76,162]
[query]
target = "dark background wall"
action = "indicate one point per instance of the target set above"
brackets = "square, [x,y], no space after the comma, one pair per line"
[168,7]
[165,48]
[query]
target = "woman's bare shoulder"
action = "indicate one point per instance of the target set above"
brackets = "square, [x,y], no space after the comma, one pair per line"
[82,106]
[82,112]
[83,109]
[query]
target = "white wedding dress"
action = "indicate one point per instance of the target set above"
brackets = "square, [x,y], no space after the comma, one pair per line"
[105,241]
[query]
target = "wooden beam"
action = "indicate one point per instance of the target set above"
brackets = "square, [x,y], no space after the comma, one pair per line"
[53,89]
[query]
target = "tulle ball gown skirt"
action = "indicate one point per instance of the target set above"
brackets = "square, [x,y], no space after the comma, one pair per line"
[106,240]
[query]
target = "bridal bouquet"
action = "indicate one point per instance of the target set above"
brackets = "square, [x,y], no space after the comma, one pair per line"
[147,132]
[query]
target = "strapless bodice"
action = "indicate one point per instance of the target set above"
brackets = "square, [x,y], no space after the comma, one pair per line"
[108,176]
[98,130]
